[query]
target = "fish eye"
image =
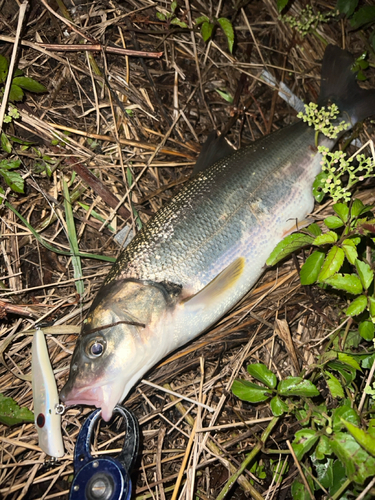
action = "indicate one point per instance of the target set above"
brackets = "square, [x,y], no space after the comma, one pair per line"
[95,348]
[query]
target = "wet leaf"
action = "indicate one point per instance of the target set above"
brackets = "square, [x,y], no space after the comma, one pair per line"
[362,437]
[332,263]
[297,386]
[342,210]
[311,268]
[334,386]
[333,222]
[348,282]
[289,245]
[357,306]
[345,412]
[263,374]
[247,391]
[366,330]
[326,238]
[12,414]
[359,465]
[29,84]
[365,273]
[227,27]
[303,442]
[278,407]
[206,30]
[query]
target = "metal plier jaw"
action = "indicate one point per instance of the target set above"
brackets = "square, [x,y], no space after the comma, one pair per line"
[104,478]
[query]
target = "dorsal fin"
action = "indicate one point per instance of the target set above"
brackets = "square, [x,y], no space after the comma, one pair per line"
[214,149]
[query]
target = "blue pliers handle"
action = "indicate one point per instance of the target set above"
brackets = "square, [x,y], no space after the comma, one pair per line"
[104,478]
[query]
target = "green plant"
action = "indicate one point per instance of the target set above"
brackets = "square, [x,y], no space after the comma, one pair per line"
[170,17]
[207,28]
[12,414]
[19,82]
[307,21]
[359,18]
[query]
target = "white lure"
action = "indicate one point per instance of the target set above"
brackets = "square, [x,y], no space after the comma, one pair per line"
[46,399]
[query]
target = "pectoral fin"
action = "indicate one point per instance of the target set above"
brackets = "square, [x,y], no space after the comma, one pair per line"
[217,287]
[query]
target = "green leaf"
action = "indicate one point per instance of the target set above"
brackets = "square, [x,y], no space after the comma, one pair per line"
[323,448]
[333,222]
[357,208]
[297,386]
[201,19]
[345,370]
[339,477]
[4,66]
[371,302]
[299,490]
[314,229]
[12,414]
[311,268]
[323,468]
[357,306]
[326,238]
[359,465]
[348,282]
[365,15]
[225,95]
[349,360]
[318,184]
[278,407]
[371,427]
[161,16]
[227,27]
[9,164]
[350,250]
[332,263]
[174,6]
[247,391]
[281,4]
[14,180]
[342,210]
[5,144]
[365,273]
[334,386]
[206,30]
[366,330]
[29,84]
[16,93]
[368,361]
[263,374]
[303,442]
[347,7]
[345,412]
[287,246]
[362,437]
[179,23]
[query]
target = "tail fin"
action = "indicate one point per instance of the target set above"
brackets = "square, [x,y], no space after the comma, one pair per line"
[214,149]
[339,85]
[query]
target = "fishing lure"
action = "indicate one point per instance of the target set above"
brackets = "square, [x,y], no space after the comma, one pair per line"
[46,400]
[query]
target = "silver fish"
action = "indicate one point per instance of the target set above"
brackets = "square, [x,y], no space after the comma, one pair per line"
[203,251]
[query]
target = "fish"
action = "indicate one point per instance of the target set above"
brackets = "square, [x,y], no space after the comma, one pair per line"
[46,399]
[205,249]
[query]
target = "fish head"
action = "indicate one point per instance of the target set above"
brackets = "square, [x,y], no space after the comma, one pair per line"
[117,345]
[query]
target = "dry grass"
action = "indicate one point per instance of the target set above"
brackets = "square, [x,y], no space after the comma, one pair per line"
[147,117]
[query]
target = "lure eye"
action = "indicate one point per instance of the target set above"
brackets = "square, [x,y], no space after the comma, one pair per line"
[40,420]
[95,348]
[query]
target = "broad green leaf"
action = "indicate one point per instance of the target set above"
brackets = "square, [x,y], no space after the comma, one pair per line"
[323,448]
[201,19]
[357,208]
[278,407]
[333,222]
[247,391]
[366,330]
[298,489]
[297,386]
[12,414]
[323,468]
[332,263]
[345,412]
[318,184]
[357,306]
[339,477]
[362,437]
[359,465]
[368,361]
[14,180]
[349,360]
[5,144]
[365,273]
[227,27]
[9,164]
[311,268]
[371,427]
[350,250]
[348,282]
[326,238]
[345,370]
[342,211]
[225,95]
[371,303]
[334,386]
[174,6]
[281,4]
[29,84]
[4,66]
[16,93]
[179,23]
[313,229]
[263,374]
[347,7]
[161,16]
[206,30]
[303,442]
[365,15]
[288,245]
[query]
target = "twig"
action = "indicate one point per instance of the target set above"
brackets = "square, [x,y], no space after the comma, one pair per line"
[300,470]
[97,47]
